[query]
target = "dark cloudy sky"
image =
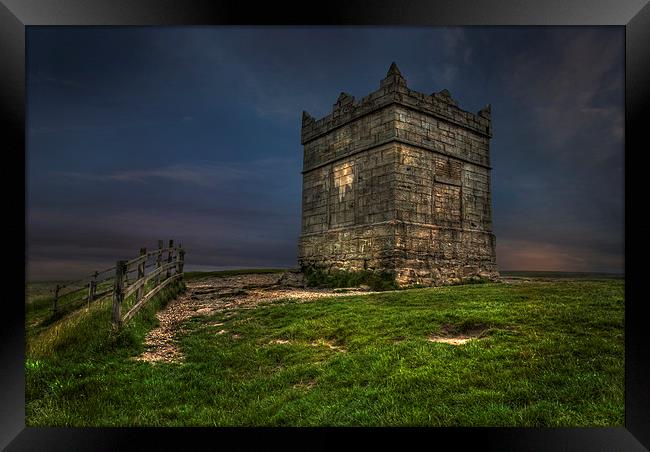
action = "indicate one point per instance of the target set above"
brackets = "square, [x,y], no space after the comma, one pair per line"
[136,134]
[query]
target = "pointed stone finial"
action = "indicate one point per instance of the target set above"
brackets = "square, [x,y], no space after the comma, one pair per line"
[393,70]
[486,111]
[444,96]
[393,79]
[343,102]
[307,119]
[342,97]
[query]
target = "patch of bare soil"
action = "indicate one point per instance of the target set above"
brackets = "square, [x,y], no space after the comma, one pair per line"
[317,343]
[307,385]
[328,344]
[514,280]
[454,335]
[211,295]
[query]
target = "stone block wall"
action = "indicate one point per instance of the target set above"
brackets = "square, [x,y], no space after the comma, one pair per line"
[399,182]
[354,190]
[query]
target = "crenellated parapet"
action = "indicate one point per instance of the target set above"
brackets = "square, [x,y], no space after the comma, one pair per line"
[394,90]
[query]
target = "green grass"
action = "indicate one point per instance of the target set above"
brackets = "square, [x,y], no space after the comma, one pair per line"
[39,301]
[88,334]
[551,355]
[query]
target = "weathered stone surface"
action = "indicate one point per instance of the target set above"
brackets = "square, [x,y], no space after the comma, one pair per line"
[399,182]
[292,278]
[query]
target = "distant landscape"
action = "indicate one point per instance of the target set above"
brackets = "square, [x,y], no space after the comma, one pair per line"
[559,274]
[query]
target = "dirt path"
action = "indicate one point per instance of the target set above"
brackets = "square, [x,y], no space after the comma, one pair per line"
[207,296]
[210,295]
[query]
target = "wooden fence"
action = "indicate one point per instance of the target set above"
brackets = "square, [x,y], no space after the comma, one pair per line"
[95,287]
[137,280]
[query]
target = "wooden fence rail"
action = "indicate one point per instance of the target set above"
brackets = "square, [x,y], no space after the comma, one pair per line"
[151,271]
[89,285]
[161,275]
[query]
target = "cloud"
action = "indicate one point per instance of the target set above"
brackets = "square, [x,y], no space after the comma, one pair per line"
[558,173]
[454,40]
[85,125]
[455,57]
[58,243]
[274,98]
[207,175]
[273,83]
[575,89]
[531,255]
[49,80]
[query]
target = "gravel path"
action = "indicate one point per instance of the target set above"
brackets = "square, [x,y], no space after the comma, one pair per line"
[211,295]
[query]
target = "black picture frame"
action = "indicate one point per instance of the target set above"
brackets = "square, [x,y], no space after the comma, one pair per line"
[634,15]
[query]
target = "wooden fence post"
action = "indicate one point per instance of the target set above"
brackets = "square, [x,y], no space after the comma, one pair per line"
[92,288]
[55,305]
[141,266]
[118,292]
[181,260]
[159,261]
[169,257]
[177,258]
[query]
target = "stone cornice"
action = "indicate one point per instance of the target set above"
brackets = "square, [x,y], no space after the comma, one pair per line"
[394,222]
[391,140]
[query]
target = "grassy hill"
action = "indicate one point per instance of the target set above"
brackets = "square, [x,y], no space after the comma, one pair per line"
[547,353]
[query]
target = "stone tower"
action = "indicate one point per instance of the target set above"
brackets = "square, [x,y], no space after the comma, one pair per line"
[399,182]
